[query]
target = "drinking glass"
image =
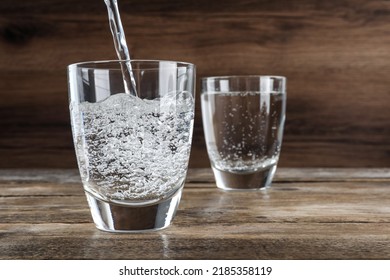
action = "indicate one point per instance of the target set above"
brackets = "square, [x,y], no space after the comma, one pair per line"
[132,149]
[243,120]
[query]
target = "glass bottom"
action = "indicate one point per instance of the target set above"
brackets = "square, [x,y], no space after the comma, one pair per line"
[256,180]
[122,218]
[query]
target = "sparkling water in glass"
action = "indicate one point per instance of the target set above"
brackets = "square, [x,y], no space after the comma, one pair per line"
[132,151]
[243,120]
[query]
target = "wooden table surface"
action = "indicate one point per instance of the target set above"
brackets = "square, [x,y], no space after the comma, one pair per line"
[311,213]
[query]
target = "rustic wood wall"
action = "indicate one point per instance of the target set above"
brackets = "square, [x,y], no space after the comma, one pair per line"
[335,54]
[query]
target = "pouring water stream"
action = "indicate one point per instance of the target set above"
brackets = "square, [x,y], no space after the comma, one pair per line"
[120,44]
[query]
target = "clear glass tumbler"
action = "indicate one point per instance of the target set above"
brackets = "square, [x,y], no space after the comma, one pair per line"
[243,120]
[132,150]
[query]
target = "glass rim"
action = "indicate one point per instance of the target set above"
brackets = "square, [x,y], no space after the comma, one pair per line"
[111,61]
[243,77]
[271,84]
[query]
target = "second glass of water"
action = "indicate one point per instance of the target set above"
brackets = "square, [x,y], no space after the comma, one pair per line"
[243,120]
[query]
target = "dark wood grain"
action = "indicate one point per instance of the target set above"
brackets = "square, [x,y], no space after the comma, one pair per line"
[309,213]
[334,53]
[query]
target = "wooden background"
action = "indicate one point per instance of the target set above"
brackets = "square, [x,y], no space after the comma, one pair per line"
[335,55]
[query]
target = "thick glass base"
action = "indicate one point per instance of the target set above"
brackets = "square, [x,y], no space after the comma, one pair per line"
[256,180]
[114,217]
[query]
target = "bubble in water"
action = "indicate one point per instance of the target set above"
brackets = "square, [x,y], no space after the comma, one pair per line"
[134,149]
[244,133]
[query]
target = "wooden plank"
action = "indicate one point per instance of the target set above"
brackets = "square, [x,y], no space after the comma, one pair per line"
[205,175]
[61,176]
[334,54]
[301,202]
[284,174]
[278,241]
